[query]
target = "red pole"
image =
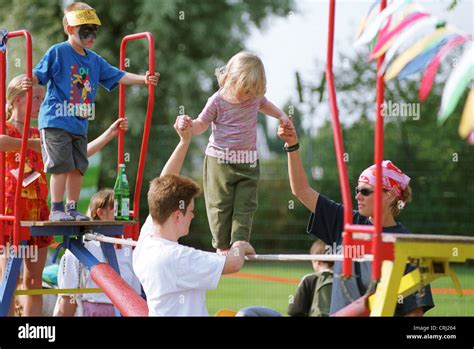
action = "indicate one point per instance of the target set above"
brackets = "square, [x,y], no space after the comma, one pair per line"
[149,114]
[358,228]
[378,158]
[24,140]
[121,136]
[3,77]
[339,144]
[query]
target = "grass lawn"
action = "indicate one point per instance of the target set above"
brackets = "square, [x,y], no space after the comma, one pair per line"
[282,278]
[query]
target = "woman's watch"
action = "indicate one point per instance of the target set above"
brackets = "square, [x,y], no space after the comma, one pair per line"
[289,149]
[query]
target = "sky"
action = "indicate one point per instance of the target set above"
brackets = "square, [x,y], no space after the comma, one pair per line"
[298,41]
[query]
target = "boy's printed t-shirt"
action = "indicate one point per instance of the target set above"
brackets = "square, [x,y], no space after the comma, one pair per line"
[72,81]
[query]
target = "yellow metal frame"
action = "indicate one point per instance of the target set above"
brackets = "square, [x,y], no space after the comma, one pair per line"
[432,258]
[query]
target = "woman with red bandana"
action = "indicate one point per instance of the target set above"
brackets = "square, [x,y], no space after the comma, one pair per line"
[327,220]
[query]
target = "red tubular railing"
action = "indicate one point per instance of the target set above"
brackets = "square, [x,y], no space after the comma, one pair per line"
[338,142]
[378,158]
[349,228]
[24,140]
[3,77]
[135,213]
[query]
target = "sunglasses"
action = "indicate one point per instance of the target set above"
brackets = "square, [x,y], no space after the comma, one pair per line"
[365,191]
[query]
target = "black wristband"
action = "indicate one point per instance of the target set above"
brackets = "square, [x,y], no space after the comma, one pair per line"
[289,149]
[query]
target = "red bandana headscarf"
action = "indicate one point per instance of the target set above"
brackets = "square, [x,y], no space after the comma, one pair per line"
[393,179]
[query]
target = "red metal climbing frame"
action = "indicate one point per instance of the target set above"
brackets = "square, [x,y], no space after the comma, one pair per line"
[376,246]
[23,234]
[133,231]
[18,233]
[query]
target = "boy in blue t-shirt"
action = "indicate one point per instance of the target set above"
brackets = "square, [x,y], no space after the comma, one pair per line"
[72,74]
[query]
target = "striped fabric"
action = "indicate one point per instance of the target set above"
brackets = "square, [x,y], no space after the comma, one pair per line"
[234,127]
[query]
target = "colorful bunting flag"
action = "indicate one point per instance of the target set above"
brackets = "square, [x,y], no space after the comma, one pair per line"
[461,76]
[421,61]
[466,126]
[370,15]
[385,42]
[404,58]
[426,23]
[432,67]
[373,27]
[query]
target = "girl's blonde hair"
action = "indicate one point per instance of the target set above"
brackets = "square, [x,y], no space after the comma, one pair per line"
[14,90]
[102,199]
[243,74]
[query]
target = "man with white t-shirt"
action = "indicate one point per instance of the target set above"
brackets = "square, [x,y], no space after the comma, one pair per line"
[175,277]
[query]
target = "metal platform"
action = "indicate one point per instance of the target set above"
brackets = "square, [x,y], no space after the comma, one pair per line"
[48,228]
[73,223]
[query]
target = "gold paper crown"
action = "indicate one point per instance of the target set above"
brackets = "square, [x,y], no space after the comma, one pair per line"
[80,17]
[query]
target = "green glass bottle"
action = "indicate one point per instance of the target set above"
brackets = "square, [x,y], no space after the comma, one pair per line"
[121,196]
